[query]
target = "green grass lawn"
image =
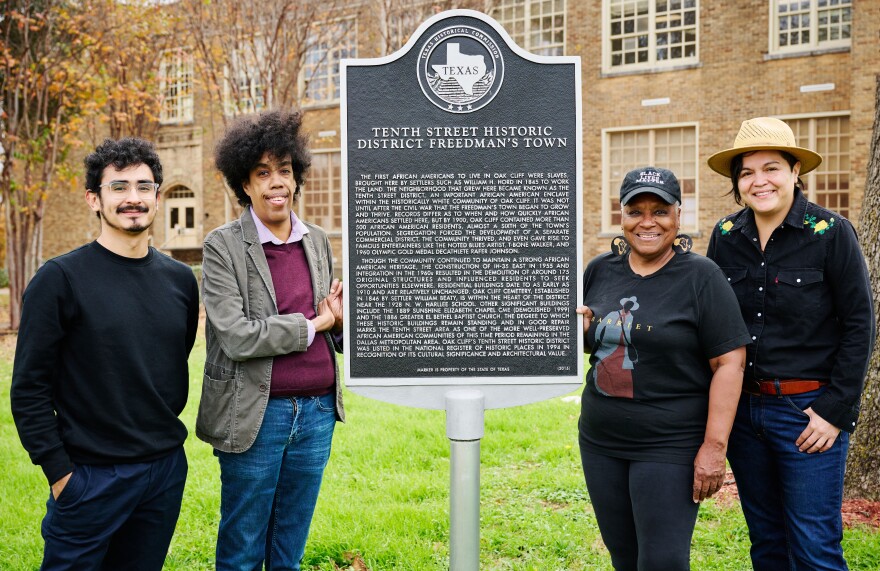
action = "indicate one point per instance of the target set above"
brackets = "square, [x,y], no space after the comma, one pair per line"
[386,495]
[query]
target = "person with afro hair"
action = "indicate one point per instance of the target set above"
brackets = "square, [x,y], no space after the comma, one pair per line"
[271,393]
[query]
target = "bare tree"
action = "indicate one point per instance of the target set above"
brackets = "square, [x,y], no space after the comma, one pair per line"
[128,88]
[863,468]
[258,54]
[252,54]
[398,19]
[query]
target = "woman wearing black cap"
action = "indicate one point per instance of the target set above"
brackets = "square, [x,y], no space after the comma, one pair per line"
[666,343]
[804,293]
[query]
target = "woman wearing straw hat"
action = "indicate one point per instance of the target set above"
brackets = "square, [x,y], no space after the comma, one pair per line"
[666,345]
[803,289]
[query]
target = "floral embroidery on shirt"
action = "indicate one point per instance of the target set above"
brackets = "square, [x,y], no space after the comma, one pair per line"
[819,227]
[725,226]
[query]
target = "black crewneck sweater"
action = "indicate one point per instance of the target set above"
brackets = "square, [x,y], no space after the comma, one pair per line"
[100,373]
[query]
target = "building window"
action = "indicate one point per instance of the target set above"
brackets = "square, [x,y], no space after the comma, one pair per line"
[828,185]
[673,148]
[644,34]
[322,192]
[244,89]
[176,87]
[801,25]
[538,26]
[327,44]
[404,20]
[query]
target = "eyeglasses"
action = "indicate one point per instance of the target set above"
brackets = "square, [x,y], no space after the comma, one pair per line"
[122,186]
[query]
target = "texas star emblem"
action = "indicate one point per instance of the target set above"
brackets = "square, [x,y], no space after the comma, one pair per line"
[460,69]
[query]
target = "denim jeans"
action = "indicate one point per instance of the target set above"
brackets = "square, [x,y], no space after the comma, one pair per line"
[115,516]
[268,493]
[791,499]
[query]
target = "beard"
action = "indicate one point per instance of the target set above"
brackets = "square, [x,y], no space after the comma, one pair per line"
[135,228]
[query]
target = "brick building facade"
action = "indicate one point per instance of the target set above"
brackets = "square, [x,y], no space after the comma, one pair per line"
[665,82]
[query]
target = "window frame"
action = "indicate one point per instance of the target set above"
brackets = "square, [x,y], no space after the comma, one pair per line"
[609,185]
[329,61]
[242,62]
[334,194]
[528,33]
[404,20]
[184,105]
[810,179]
[653,64]
[814,44]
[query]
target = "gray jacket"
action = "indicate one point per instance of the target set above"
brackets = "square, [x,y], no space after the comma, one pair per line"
[244,332]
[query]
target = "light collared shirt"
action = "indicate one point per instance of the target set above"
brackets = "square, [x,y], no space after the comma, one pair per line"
[297,231]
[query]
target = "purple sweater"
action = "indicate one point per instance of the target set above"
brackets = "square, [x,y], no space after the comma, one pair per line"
[310,372]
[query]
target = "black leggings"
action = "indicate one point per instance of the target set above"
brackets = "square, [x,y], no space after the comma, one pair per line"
[645,511]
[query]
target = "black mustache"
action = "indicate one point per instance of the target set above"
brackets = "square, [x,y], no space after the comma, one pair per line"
[132,209]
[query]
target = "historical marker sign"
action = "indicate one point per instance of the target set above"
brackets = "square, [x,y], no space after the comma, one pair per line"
[462,212]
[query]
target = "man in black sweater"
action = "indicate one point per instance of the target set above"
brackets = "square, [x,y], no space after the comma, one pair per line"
[100,376]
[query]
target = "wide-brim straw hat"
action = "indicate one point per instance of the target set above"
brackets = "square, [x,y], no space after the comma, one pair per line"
[764,134]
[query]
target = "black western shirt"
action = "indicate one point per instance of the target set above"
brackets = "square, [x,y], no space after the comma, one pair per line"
[806,300]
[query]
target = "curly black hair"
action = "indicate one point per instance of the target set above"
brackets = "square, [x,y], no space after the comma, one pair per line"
[121,154]
[275,132]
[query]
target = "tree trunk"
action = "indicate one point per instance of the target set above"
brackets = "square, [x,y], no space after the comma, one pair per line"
[863,469]
[23,240]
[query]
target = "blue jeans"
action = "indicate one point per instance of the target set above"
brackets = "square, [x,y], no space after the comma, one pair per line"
[115,516]
[268,493]
[791,499]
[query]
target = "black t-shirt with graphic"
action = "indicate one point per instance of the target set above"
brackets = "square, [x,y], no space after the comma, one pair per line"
[650,341]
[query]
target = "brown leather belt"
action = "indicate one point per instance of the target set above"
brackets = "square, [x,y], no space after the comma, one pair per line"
[786,386]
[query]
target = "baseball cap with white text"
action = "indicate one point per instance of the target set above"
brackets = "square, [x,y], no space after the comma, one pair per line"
[660,182]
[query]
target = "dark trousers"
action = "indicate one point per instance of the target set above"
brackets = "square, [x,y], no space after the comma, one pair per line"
[114,517]
[645,511]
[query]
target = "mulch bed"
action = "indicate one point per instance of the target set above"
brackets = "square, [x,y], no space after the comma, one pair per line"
[855,512]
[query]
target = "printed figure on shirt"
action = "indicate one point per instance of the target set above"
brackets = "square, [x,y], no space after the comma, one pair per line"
[616,356]
[101,376]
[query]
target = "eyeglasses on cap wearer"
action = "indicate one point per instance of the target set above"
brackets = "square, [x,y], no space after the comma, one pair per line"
[122,186]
